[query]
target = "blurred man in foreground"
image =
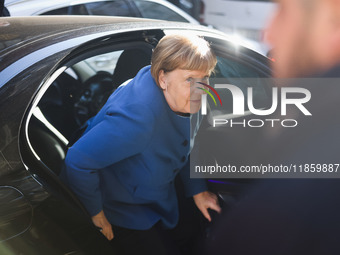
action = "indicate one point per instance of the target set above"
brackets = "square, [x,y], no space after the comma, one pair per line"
[305,35]
[296,216]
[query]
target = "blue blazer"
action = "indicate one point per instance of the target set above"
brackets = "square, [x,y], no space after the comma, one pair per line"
[127,159]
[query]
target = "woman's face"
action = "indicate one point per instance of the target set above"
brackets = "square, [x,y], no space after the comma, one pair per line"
[181,90]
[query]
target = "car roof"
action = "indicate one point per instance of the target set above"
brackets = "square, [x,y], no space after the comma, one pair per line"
[24,34]
[37,7]
[38,25]
[23,40]
[22,28]
[19,31]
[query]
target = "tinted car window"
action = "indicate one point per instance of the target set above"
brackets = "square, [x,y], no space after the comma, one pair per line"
[78,9]
[240,73]
[104,62]
[111,8]
[153,10]
[105,8]
[242,76]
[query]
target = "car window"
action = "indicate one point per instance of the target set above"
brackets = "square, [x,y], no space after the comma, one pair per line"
[231,72]
[110,8]
[104,8]
[104,62]
[154,10]
[78,9]
[241,73]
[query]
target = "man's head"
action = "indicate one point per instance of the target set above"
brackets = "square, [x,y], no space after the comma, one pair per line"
[305,35]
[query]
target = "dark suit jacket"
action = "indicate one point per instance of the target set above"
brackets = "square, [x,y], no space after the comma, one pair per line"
[291,216]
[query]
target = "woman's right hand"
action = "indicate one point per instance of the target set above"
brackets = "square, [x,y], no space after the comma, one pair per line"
[101,222]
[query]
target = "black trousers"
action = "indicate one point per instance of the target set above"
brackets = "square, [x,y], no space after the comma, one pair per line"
[154,241]
[185,239]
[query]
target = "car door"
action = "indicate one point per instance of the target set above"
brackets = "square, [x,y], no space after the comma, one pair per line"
[218,142]
[75,91]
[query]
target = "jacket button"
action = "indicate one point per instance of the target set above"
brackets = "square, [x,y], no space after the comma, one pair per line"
[183,159]
[185,143]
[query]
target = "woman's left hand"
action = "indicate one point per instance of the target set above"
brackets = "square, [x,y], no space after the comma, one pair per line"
[206,200]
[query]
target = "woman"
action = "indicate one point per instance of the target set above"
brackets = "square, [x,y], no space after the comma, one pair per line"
[123,167]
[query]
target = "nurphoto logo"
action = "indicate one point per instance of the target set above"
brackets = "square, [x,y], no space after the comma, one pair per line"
[239,103]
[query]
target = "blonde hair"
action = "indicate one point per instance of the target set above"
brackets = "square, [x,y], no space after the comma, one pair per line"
[188,52]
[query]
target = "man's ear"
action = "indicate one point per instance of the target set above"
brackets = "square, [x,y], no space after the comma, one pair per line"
[162,79]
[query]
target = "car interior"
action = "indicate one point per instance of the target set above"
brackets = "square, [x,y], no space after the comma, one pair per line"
[69,100]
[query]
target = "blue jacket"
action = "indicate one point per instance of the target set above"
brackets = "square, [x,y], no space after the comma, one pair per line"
[127,159]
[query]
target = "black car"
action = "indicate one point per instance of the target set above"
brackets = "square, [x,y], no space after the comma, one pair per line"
[55,73]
